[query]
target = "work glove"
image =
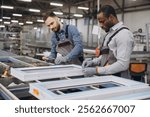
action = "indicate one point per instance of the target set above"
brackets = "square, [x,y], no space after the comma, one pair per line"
[89,71]
[60,60]
[89,62]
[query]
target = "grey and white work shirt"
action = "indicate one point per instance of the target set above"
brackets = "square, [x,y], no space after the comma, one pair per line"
[121,45]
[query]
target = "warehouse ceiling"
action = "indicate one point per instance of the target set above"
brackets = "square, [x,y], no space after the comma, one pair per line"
[68,9]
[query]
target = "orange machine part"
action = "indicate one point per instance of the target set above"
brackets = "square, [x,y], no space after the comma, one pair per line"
[97,52]
[137,68]
[36,92]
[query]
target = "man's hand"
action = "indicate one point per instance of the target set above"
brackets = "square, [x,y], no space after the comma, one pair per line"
[45,58]
[89,71]
[51,60]
[87,63]
[60,60]
[90,63]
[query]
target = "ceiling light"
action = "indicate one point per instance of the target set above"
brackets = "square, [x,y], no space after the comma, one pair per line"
[83,8]
[40,20]
[62,20]
[21,23]
[6,18]
[29,22]
[2,26]
[35,28]
[58,13]
[34,10]
[1,20]
[7,7]
[25,0]
[15,21]
[56,4]
[19,15]
[78,15]
[6,22]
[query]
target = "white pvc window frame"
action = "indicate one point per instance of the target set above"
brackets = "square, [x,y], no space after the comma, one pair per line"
[126,89]
[46,72]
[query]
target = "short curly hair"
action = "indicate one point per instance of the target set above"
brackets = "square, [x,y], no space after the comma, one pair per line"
[107,10]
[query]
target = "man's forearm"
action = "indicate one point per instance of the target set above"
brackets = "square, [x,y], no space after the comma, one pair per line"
[114,68]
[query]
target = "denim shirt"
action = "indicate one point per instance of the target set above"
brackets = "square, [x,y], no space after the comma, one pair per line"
[73,36]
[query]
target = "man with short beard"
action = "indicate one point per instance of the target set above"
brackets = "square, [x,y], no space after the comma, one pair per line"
[116,48]
[65,40]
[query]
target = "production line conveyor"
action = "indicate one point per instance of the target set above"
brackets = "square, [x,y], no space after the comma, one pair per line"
[10,85]
[63,82]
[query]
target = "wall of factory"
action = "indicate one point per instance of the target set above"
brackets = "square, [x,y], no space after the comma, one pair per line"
[134,20]
[40,36]
[82,29]
[87,36]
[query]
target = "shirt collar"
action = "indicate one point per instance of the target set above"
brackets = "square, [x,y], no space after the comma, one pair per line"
[116,26]
[62,27]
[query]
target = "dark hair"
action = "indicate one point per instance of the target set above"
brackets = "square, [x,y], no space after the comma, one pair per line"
[46,15]
[107,10]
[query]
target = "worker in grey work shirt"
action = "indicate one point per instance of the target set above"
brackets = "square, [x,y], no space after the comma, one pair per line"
[65,40]
[116,48]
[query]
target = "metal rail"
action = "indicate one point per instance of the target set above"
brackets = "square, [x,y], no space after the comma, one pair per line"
[6,94]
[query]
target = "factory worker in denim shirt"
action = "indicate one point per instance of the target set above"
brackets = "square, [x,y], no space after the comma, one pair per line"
[65,40]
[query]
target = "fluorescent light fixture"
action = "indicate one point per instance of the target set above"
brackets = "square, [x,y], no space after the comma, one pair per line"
[6,22]
[19,15]
[21,23]
[61,20]
[58,13]
[55,4]
[78,15]
[6,18]
[7,7]
[1,20]
[40,20]
[35,28]
[25,0]
[29,22]
[14,21]
[2,26]
[83,8]
[34,10]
